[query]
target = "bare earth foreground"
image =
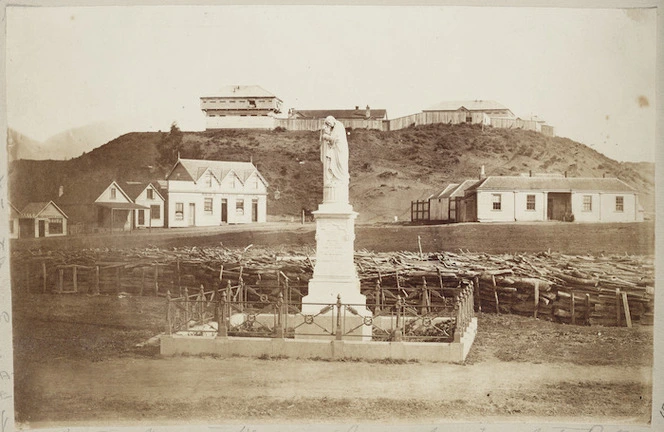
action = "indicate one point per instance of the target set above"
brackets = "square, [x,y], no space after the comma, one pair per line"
[73,370]
[77,362]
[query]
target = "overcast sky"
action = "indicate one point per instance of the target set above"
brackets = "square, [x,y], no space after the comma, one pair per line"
[588,72]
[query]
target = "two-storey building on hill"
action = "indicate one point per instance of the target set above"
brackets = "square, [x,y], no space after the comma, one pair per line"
[211,193]
[241,107]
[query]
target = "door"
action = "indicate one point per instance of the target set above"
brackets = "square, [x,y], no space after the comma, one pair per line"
[141,217]
[549,208]
[192,214]
[42,228]
[254,210]
[224,210]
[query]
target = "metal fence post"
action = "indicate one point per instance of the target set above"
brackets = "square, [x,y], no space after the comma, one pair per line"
[338,331]
[169,327]
[186,307]
[398,334]
[280,321]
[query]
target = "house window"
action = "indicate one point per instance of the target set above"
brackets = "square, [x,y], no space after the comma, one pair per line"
[150,194]
[496,201]
[239,207]
[208,180]
[255,182]
[155,212]
[620,203]
[587,203]
[55,226]
[207,205]
[234,182]
[113,193]
[530,202]
[11,226]
[179,211]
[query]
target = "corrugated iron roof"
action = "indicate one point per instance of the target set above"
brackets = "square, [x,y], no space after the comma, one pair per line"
[552,184]
[340,114]
[242,91]
[471,105]
[34,209]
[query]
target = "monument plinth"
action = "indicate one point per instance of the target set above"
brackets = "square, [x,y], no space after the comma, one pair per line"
[334,272]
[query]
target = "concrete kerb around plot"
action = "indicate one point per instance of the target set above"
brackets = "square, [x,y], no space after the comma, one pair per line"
[325,349]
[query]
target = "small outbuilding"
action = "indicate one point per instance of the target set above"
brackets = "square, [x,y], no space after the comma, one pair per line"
[42,219]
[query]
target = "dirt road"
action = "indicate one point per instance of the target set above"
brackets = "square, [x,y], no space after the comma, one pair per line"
[213,390]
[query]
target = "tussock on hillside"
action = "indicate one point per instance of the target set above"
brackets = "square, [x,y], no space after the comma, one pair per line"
[388,169]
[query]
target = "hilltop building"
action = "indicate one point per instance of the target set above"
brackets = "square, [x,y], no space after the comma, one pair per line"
[241,106]
[211,193]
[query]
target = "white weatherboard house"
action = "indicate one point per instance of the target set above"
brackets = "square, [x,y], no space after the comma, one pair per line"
[503,199]
[146,194]
[211,193]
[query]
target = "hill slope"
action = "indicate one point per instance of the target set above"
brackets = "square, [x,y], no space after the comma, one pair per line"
[388,169]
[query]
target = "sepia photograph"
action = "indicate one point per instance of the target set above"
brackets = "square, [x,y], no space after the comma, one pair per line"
[250,217]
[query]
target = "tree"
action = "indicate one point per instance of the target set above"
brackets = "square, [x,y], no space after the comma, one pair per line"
[170,146]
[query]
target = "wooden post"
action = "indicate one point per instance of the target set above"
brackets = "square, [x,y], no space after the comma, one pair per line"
[75,278]
[169,327]
[44,276]
[280,320]
[62,280]
[27,276]
[536,299]
[117,280]
[142,280]
[476,280]
[587,314]
[628,315]
[156,279]
[495,293]
[177,265]
[96,280]
[618,320]
[419,246]
[222,329]
[186,307]
[377,298]
[572,307]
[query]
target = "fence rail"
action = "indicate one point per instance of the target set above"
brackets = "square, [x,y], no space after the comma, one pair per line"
[214,313]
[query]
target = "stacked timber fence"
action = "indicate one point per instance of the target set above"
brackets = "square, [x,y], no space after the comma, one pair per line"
[574,289]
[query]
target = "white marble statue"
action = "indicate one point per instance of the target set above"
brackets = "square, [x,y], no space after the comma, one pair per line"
[334,155]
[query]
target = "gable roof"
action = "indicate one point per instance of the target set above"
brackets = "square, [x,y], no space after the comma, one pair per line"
[34,209]
[117,185]
[242,91]
[220,169]
[551,184]
[445,192]
[471,105]
[460,190]
[13,211]
[135,188]
[340,114]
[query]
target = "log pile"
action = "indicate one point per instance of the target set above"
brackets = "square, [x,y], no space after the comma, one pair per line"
[576,289]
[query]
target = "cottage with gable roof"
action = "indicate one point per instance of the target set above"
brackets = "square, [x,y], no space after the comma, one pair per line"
[535,198]
[42,219]
[211,193]
[146,194]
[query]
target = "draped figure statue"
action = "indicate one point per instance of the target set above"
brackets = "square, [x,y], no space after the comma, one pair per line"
[334,155]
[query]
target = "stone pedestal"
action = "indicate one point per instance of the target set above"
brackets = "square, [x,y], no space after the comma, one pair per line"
[334,272]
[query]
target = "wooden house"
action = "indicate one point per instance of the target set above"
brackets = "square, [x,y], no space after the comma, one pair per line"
[211,193]
[14,218]
[242,107]
[146,194]
[367,118]
[42,219]
[525,198]
[473,111]
[116,210]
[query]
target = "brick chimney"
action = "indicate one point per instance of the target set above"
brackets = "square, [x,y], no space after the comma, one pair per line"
[482,173]
[368,112]
[61,190]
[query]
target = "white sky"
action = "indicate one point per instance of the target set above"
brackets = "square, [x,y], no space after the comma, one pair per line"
[586,71]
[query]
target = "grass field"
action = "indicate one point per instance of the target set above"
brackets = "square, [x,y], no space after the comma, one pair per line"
[577,238]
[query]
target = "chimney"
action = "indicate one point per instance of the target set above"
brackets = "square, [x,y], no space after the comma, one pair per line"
[368,113]
[482,174]
[61,190]
[530,173]
[357,107]
[565,174]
